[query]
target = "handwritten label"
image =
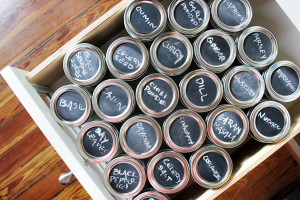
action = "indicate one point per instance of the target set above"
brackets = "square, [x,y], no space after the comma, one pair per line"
[216,49]
[228,126]
[212,168]
[70,106]
[168,172]
[84,64]
[97,141]
[232,12]
[124,178]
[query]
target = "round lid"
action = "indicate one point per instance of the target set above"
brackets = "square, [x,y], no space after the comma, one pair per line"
[157,95]
[243,86]
[84,64]
[231,15]
[211,166]
[269,121]
[97,141]
[70,105]
[188,17]
[201,90]
[151,195]
[282,81]
[124,177]
[168,172]
[227,126]
[214,50]
[113,100]
[257,47]
[140,136]
[171,53]
[145,19]
[184,131]
[127,58]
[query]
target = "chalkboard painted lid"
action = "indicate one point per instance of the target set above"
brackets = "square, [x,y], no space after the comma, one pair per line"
[268,74]
[151,195]
[254,113]
[98,74]
[86,96]
[188,32]
[139,95]
[127,90]
[244,58]
[140,119]
[168,154]
[136,164]
[143,66]
[194,162]
[210,120]
[175,116]
[228,78]
[200,61]
[216,21]
[185,82]
[155,57]
[110,130]
[133,32]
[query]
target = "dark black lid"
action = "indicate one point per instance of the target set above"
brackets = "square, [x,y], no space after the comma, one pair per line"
[232,12]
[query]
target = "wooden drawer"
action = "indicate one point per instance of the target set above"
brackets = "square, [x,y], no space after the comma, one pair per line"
[278,16]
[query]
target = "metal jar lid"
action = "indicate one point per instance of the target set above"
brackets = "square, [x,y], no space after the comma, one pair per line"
[231,15]
[184,131]
[157,95]
[214,50]
[188,17]
[201,90]
[84,64]
[151,195]
[70,105]
[269,121]
[127,58]
[257,47]
[227,126]
[113,100]
[145,19]
[124,177]
[211,166]
[168,172]
[282,81]
[243,86]
[97,141]
[171,53]
[140,136]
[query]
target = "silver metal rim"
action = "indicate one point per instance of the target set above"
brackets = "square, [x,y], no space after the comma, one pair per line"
[113,132]
[123,132]
[231,29]
[127,89]
[151,194]
[195,158]
[87,100]
[184,83]
[227,90]
[167,125]
[188,32]
[242,54]
[255,132]
[165,70]
[127,76]
[142,36]
[99,74]
[269,89]
[158,157]
[210,122]
[205,65]
[139,95]
[131,161]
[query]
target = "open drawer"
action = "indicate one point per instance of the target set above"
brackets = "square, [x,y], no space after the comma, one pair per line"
[268,13]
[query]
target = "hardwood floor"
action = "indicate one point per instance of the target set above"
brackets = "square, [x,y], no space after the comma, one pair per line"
[30,31]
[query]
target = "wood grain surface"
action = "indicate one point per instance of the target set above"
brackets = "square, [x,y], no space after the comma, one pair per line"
[30,31]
